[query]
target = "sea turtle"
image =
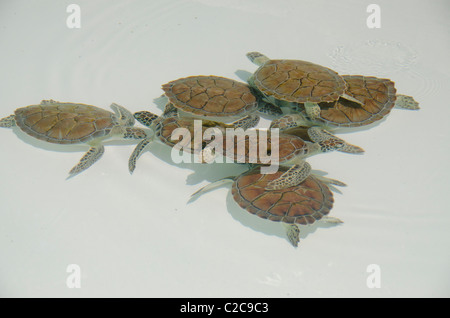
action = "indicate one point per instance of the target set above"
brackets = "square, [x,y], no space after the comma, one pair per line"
[217,98]
[283,82]
[303,204]
[170,125]
[272,148]
[71,123]
[377,96]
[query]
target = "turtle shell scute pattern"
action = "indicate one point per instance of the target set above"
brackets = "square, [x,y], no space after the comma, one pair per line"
[210,96]
[304,204]
[65,123]
[298,81]
[377,96]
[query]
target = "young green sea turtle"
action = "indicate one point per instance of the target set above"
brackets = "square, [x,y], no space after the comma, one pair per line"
[286,149]
[217,98]
[303,204]
[71,123]
[377,97]
[284,82]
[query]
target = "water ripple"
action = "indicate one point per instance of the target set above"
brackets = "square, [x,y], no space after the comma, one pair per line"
[373,58]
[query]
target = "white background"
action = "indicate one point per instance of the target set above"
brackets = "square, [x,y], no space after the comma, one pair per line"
[137,235]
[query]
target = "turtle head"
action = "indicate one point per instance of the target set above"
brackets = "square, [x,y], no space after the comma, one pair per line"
[257,58]
[123,115]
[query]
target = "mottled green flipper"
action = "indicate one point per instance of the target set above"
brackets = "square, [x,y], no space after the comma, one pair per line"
[330,142]
[293,233]
[91,157]
[137,152]
[294,176]
[8,122]
[406,102]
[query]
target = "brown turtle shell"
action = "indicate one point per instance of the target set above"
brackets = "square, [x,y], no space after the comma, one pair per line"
[298,81]
[377,95]
[245,149]
[210,96]
[166,126]
[65,123]
[303,204]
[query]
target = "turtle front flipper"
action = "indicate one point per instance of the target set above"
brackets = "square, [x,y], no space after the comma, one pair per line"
[289,121]
[329,142]
[8,122]
[91,156]
[406,102]
[145,118]
[292,177]
[137,152]
[246,122]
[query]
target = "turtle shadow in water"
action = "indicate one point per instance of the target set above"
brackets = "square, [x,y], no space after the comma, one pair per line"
[200,172]
[260,224]
[161,102]
[325,175]
[266,226]
[47,145]
[67,148]
[80,147]
[243,75]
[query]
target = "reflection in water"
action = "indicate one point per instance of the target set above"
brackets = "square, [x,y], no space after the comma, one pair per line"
[373,58]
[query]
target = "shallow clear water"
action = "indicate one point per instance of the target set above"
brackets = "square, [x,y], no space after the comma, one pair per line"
[139,236]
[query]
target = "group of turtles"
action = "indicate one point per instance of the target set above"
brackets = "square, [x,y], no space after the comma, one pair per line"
[305,101]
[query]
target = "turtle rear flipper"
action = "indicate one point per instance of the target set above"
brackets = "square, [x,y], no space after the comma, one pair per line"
[293,233]
[406,102]
[8,122]
[331,220]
